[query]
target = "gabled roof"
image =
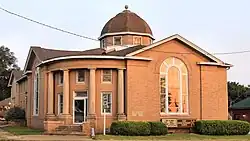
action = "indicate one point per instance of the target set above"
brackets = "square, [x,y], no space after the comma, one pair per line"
[5,102]
[243,104]
[183,40]
[17,74]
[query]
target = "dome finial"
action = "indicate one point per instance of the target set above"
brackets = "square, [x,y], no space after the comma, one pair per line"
[126,7]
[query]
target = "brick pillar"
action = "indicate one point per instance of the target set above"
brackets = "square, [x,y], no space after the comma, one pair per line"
[50,95]
[91,98]
[66,116]
[120,92]
[29,93]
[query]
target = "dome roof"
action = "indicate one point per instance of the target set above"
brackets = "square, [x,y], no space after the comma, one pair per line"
[126,21]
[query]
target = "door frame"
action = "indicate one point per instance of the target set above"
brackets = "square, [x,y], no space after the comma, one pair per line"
[73,105]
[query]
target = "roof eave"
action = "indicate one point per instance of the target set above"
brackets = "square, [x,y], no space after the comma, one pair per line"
[182,39]
[94,57]
[126,33]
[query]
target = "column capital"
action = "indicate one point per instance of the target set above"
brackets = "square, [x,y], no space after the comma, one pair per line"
[92,68]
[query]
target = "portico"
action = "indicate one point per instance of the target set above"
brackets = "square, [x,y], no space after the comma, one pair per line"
[69,92]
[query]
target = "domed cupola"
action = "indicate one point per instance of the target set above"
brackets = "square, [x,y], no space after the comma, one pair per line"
[126,29]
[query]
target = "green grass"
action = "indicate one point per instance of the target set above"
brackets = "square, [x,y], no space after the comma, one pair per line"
[175,137]
[22,130]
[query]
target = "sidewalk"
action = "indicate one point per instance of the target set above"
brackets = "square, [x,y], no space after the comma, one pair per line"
[48,138]
[8,136]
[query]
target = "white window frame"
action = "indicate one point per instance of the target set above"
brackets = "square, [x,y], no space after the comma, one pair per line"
[103,43]
[59,78]
[36,92]
[164,64]
[134,37]
[80,98]
[111,75]
[111,108]
[114,40]
[59,112]
[77,74]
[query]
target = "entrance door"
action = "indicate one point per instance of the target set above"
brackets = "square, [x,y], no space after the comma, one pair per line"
[80,107]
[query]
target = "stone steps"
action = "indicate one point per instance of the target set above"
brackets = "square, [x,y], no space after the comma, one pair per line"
[70,128]
[65,133]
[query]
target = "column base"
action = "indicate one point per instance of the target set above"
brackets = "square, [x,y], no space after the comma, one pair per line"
[121,117]
[91,118]
[50,117]
[51,123]
[67,118]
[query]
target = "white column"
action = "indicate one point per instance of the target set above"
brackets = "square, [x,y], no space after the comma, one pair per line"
[66,92]
[92,92]
[51,94]
[120,92]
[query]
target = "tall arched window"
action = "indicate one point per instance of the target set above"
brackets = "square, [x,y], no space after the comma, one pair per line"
[174,87]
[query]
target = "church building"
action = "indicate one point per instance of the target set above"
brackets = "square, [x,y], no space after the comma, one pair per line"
[129,77]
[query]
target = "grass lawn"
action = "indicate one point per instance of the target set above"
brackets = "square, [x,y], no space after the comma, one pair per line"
[22,130]
[181,137]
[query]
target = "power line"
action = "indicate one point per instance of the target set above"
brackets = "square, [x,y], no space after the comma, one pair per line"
[49,26]
[93,39]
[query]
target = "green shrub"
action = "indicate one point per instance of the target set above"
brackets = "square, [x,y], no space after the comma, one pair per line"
[158,128]
[130,128]
[222,127]
[15,114]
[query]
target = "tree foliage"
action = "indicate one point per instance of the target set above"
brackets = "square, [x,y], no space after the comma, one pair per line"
[237,92]
[8,62]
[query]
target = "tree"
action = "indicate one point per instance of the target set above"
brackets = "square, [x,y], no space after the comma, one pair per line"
[8,62]
[237,92]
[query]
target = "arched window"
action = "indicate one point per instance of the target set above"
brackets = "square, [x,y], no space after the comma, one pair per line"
[173,87]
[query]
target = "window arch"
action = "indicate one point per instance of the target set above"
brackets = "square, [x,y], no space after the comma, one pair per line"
[174,86]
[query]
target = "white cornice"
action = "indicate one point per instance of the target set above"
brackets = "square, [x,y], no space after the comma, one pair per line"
[125,33]
[94,57]
[214,64]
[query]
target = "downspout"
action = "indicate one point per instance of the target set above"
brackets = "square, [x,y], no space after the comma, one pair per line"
[200,95]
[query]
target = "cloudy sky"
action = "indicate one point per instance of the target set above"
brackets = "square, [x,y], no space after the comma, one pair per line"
[214,25]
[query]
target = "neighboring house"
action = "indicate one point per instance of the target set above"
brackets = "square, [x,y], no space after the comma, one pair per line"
[241,110]
[4,106]
[128,76]
[15,75]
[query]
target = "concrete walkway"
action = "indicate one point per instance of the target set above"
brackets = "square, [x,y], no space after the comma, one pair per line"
[8,136]
[48,138]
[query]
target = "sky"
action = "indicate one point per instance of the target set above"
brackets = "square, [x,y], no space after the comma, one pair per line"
[214,25]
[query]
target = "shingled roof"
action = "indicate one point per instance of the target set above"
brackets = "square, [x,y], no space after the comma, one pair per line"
[126,21]
[46,54]
[17,74]
[243,104]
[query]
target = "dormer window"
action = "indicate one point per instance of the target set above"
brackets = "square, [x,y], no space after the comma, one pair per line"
[117,40]
[102,43]
[137,40]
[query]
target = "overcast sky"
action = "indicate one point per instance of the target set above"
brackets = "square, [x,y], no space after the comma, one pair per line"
[214,25]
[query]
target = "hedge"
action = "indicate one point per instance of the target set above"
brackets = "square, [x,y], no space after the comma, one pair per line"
[15,114]
[158,128]
[133,128]
[222,127]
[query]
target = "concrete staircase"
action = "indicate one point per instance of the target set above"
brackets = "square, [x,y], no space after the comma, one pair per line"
[68,130]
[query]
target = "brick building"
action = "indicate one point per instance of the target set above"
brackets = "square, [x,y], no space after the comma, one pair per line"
[129,75]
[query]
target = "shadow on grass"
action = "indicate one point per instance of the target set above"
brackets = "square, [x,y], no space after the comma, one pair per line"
[18,130]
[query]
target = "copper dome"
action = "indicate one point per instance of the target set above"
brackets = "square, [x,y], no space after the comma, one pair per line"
[126,21]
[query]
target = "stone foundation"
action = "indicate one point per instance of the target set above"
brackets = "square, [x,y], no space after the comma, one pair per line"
[86,129]
[51,125]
